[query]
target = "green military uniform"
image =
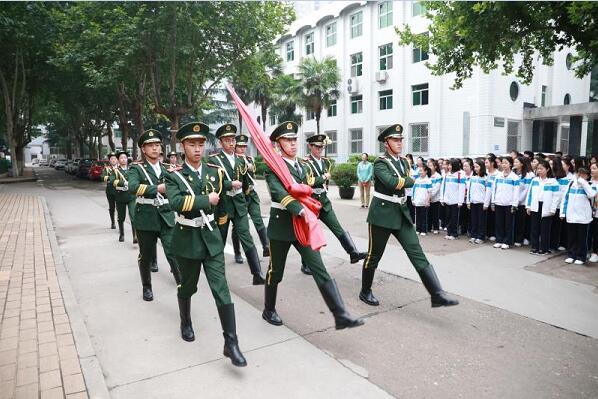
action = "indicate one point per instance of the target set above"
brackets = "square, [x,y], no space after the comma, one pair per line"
[153,217]
[233,205]
[124,200]
[282,236]
[110,190]
[197,240]
[389,214]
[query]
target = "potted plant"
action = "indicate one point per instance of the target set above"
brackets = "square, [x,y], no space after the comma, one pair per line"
[344,176]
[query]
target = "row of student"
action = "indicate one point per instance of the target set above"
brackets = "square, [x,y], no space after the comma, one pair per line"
[549,202]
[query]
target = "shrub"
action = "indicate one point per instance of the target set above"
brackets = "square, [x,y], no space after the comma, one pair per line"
[260,166]
[357,158]
[4,165]
[345,174]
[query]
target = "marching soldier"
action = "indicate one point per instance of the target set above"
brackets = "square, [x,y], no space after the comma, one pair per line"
[153,217]
[124,200]
[320,169]
[110,190]
[253,200]
[194,191]
[389,214]
[172,158]
[282,236]
[233,199]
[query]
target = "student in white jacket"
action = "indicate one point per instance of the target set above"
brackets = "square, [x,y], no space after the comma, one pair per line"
[541,203]
[422,194]
[561,168]
[453,195]
[577,211]
[434,211]
[476,197]
[594,226]
[505,198]
[522,167]
[492,171]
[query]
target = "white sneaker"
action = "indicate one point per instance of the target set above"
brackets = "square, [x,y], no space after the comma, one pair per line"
[561,248]
[594,258]
[517,244]
[435,232]
[504,246]
[569,260]
[525,241]
[478,241]
[578,262]
[492,238]
[422,234]
[450,237]
[444,228]
[497,245]
[472,240]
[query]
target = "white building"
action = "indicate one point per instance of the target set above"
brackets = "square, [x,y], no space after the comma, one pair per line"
[384,83]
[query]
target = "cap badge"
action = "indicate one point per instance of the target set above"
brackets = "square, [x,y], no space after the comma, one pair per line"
[398,128]
[151,134]
[227,127]
[196,128]
[289,126]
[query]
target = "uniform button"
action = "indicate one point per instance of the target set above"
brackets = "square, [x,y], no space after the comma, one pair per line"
[181,227]
[383,203]
[276,216]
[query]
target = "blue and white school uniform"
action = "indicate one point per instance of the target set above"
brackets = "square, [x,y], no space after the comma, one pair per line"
[577,211]
[422,192]
[475,198]
[542,200]
[522,228]
[409,192]
[505,198]
[490,214]
[559,226]
[453,195]
[434,211]
[594,225]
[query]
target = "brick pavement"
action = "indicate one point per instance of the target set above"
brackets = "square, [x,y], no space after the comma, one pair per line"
[38,357]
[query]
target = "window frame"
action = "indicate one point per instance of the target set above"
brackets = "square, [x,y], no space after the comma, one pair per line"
[420,7]
[386,97]
[386,57]
[357,66]
[332,148]
[331,36]
[417,89]
[358,104]
[388,14]
[420,136]
[356,27]
[353,141]
[310,115]
[332,107]
[310,46]
[418,54]
[290,49]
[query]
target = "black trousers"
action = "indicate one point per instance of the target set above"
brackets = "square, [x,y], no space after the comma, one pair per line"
[443,214]
[577,247]
[452,228]
[555,231]
[421,219]
[464,220]
[434,216]
[520,224]
[478,221]
[540,230]
[594,235]
[490,223]
[411,208]
[111,204]
[504,224]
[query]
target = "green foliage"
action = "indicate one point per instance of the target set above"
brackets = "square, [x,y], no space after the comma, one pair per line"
[287,93]
[345,174]
[489,35]
[4,165]
[356,158]
[260,166]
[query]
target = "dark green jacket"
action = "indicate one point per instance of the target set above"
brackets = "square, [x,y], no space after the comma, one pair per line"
[118,180]
[194,242]
[106,173]
[319,182]
[249,180]
[233,205]
[382,212]
[149,217]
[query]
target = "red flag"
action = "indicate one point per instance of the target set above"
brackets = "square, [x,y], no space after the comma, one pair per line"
[307,230]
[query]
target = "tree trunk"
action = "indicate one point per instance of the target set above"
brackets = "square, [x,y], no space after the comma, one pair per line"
[174,126]
[264,114]
[240,122]
[100,146]
[110,136]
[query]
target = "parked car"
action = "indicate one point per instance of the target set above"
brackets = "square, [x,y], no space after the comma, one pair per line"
[96,169]
[69,164]
[83,169]
[44,162]
[60,164]
[74,167]
[35,162]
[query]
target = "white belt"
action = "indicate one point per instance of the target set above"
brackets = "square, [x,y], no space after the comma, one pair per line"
[195,222]
[319,191]
[151,201]
[278,205]
[122,188]
[232,193]
[392,198]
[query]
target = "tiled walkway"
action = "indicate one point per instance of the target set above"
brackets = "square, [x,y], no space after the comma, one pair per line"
[38,357]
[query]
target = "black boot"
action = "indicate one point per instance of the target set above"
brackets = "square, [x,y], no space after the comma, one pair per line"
[305,269]
[146,281]
[254,266]
[121,231]
[176,272]
[236,247]
[332,297]
[349,247]
[366,295]
[269,314]
[154,263]
[229,330]
[263,234]
[134,235]
[430,281]
[112,225]
[186,327]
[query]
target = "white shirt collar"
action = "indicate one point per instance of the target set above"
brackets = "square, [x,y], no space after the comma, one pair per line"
[231,158]
[156,167]
[291,162]
[193,169]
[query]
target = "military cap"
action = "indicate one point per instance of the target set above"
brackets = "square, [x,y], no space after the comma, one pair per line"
[119,153]
[111,154]
[393,131]
[242,140]
[317,139]
[172,153]
[226,130]
[193,130]
[149,136]
[285,129]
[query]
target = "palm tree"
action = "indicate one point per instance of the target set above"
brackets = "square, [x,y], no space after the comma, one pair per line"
[287,93]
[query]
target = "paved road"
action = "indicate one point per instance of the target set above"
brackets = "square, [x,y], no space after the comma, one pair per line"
[496,344]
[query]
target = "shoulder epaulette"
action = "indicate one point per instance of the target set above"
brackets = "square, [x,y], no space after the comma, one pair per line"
[214,154]
[381,157]
[137,162]
[306,159]
[214,165]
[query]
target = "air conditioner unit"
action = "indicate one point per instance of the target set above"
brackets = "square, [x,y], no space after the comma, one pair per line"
[381,76]
[354,87]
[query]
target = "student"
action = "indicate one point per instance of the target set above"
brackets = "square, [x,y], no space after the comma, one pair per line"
[453,195]
[492,171]
[522,167]
[434,211]
[577,212]
[594,226]
[505,198]
[464,216]
[559,227]
[443,210]
[422,194]
[529,154]
[541,204]
[476,196]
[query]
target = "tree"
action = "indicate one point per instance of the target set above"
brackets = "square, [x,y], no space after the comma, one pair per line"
[287,94]
[463,35]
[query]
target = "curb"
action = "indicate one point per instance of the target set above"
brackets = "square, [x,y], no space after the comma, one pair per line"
[90,365]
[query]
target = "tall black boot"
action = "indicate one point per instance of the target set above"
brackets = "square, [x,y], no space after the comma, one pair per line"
[305,269]
[121,231]
[366,294]
[146,281]
[236,246]
[112,225]
[254,266]
[134,235]
[269,314]
[154,263]
[349,247]
[229,330]
[263,234]
[186,327]
[332,297]
[430,281]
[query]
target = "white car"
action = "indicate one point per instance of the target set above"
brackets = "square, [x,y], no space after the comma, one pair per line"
[59,164]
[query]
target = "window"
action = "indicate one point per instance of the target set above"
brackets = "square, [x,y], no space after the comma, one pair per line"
[381,148]
[513,135]
[356,24]
[567,99]
[272,119]
[420,94]
[419,138]
[564,140]
[332,109]
[419,8]
[385,52]
[544,90]
[331,34]
[569,61]
[514,91]
[118,133]
[290,51]
[357,104]
[384,14]
[420,54]
[356,64]
[385,99]
[331,149]
[310,115]
[499,122]
[309,43]
[356,143]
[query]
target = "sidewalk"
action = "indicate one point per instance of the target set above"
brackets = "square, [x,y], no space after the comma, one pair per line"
[28,176]
[38,357]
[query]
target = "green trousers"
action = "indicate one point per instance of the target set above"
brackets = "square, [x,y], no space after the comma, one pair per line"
[278,259]
[254,210]
[330,220]
[111,197]
[148,241]
[241,224]
[378,237]
[214,269]
[121,210]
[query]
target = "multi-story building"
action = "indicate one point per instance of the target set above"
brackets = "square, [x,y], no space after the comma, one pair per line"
[383,83]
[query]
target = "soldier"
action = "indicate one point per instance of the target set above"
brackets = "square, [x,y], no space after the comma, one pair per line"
[172,158]
[110,190]
[153,216]
[194,191]
[282,236]
[389,214]
[124,200]
[320,169]
[253,200]
[233,203]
